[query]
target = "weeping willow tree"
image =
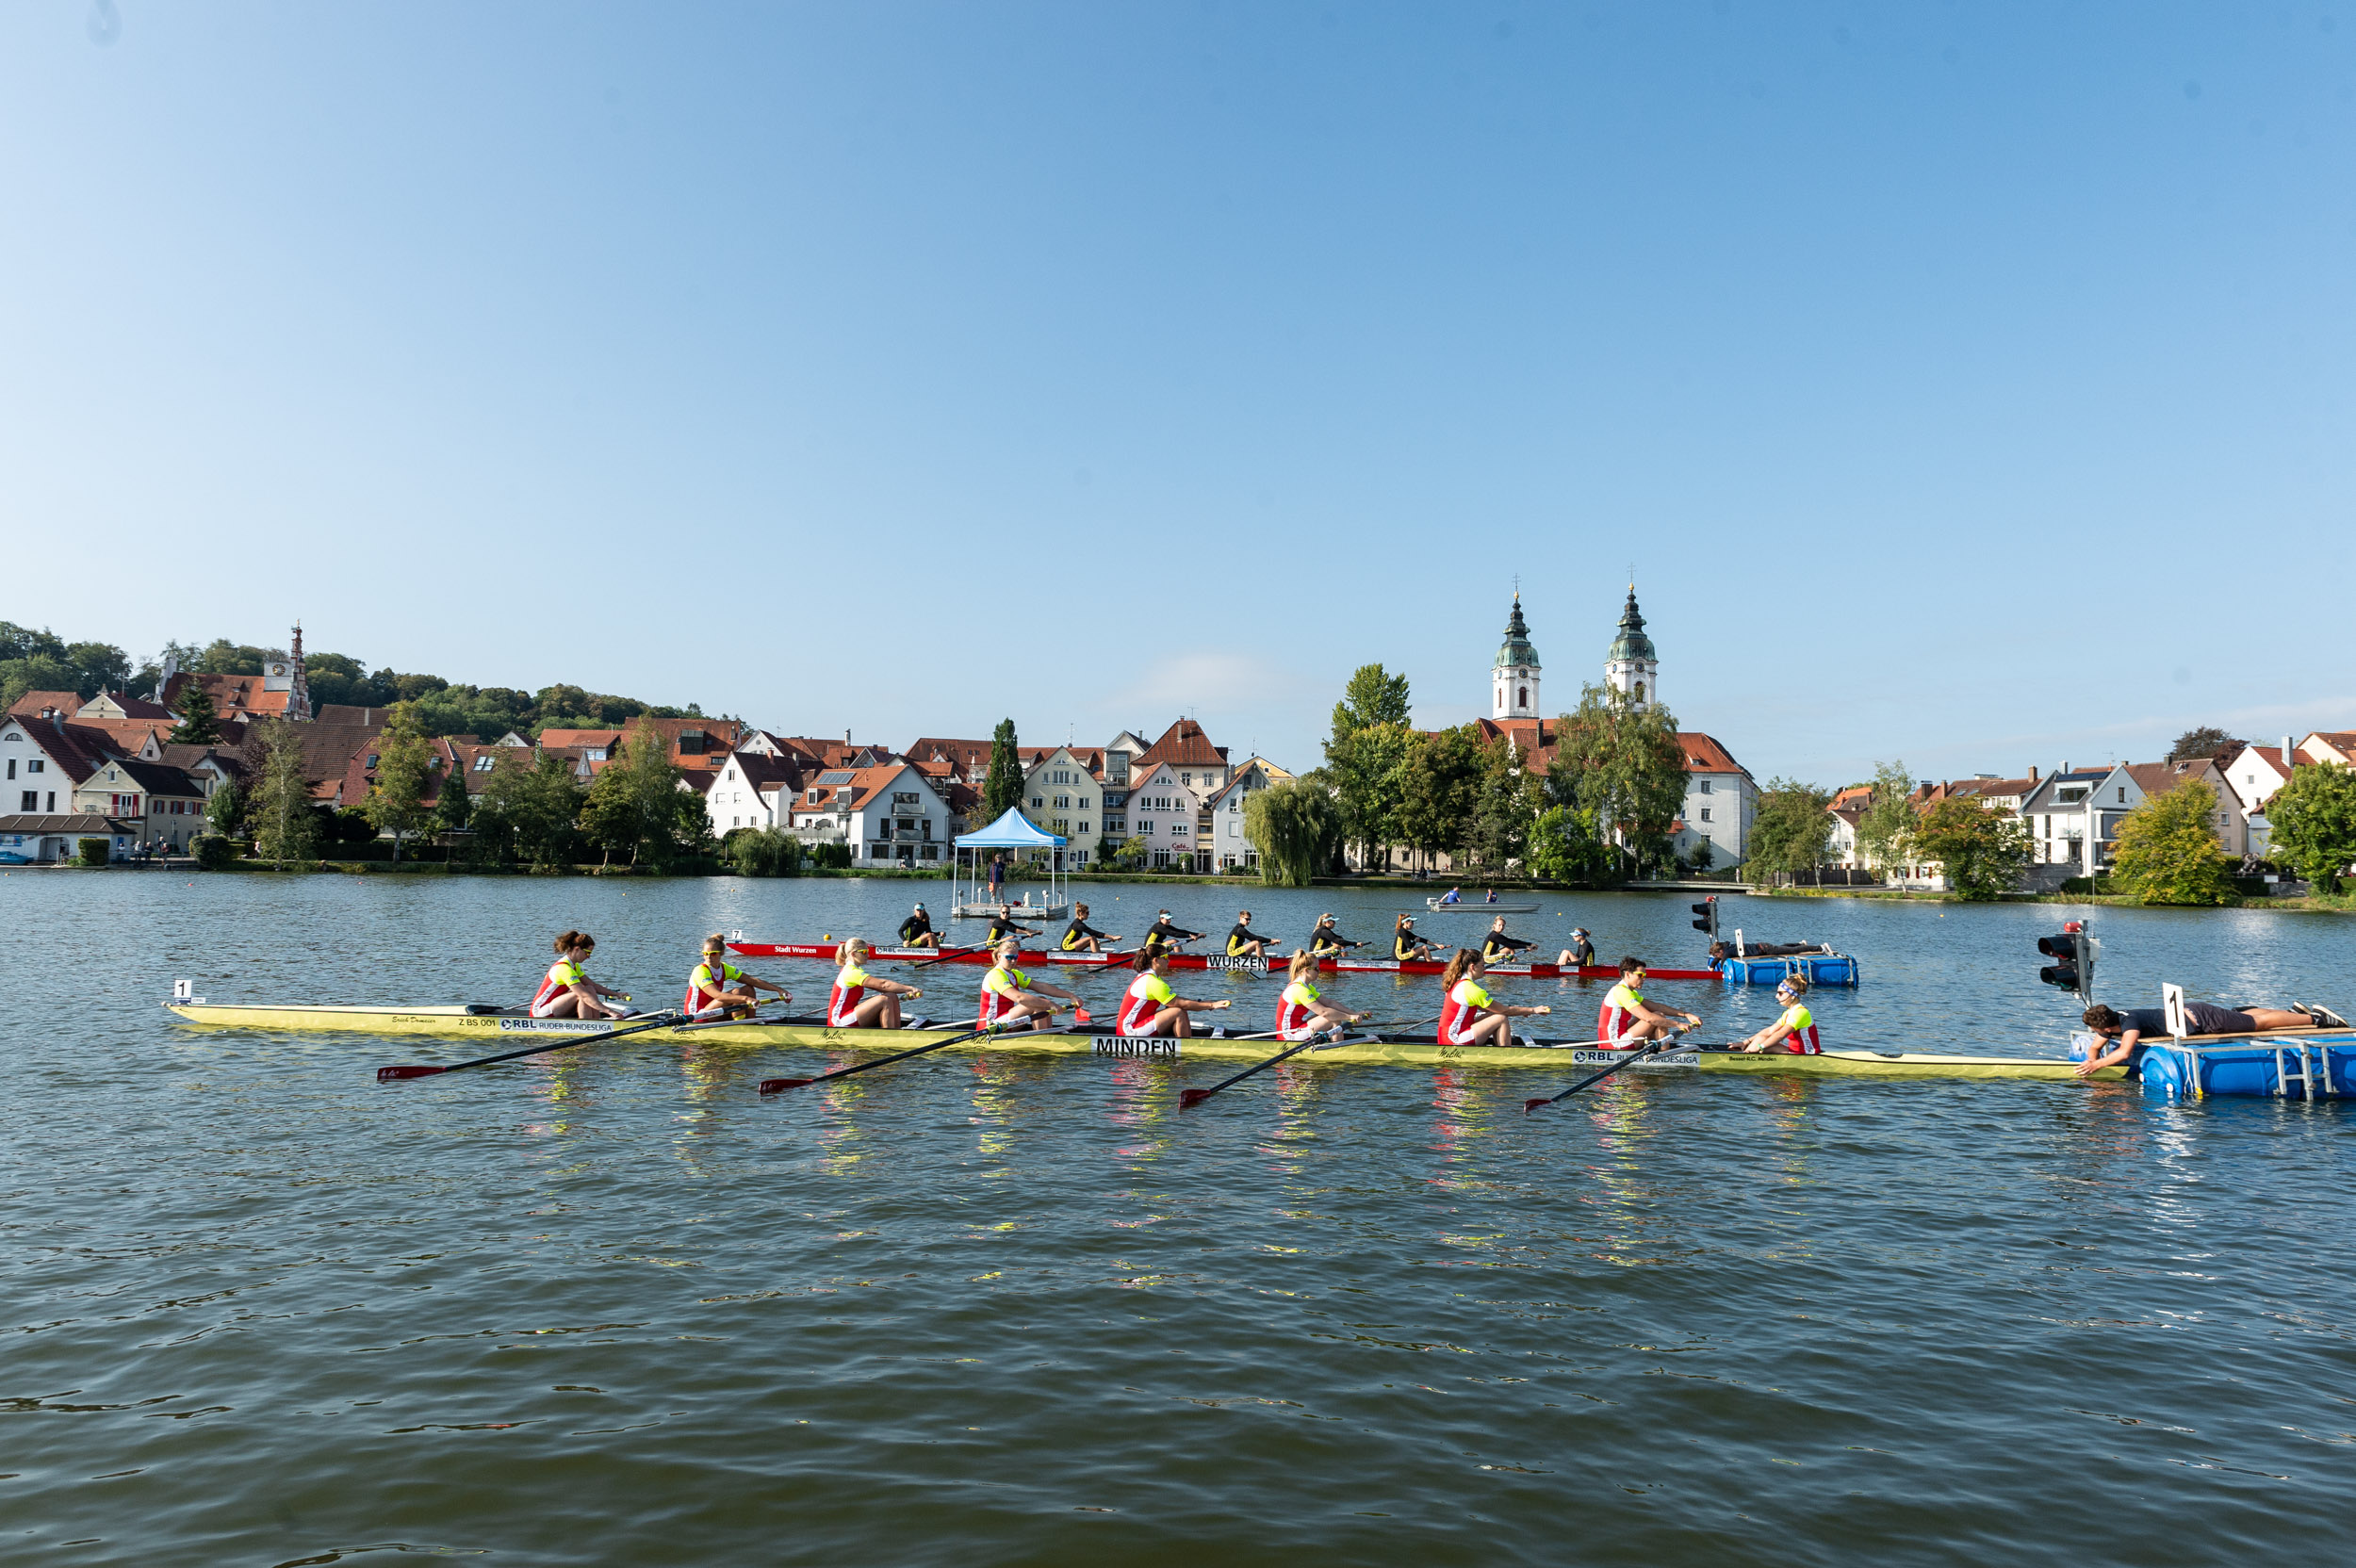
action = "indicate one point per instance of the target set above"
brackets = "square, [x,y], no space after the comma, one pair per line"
[1297,829]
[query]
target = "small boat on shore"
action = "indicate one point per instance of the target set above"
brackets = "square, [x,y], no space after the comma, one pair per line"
[826,952]
[481,1023]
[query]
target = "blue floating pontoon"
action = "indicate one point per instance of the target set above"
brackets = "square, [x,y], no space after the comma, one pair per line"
[1819,969]
[2280,1067]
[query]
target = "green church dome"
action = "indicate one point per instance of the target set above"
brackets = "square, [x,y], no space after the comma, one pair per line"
[1516,651]
[1632,644]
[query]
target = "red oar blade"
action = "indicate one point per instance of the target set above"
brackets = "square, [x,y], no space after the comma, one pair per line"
[388,1074]
[773,1085]
[1193,1097]
[1080,1015]
[1529,1105]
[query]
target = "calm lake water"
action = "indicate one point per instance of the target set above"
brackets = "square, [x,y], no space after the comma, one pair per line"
[614,1308]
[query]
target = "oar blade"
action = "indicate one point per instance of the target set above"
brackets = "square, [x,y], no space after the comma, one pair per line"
[778,1086]
[392,1074]
[1538,1104]
[1194,1097]
[1080,1016]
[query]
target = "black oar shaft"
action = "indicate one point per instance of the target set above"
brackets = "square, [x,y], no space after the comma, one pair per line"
[390,1074]
[775,1085]
[1630,1060]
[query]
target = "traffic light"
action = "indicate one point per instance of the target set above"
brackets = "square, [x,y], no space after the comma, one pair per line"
[2072,953]
[1708,910]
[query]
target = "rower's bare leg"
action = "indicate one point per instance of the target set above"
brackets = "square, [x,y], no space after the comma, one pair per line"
[1497,1029]
[1173,1022]
[567,1005]
[1041,1017]
[2278,1017]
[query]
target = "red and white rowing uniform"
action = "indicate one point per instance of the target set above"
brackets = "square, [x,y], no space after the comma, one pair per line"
[705,985]
[1295,1019]
[562,976]
[1149,993]
[850,989]
[1461,1011]
[1618,1015]
[1801,1024]
[999,987]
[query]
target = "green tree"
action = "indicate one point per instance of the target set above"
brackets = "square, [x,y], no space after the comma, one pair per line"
[223,657]
[1296,827]
[36,672]
[1982,849]
[1002,788]
[1507,808]
[2168,850]
[224,812]
[531,807]
[2207,740]
[1133,853]
[1565,845]
[1790,827]
[454,807]
[200,722]
[285,825]
[1623,761]
[1440,789]
[404,758]
[2313,818]
[1366,771]
[1373,695]
[762,851]
[1888,816]
[98,667]
[636,802]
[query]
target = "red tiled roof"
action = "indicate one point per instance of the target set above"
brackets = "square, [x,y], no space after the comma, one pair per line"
[238,694]
[37,704]
[1703,754]
[139,708]
[1185,745]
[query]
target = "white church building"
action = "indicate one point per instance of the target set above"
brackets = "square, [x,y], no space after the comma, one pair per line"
[1721,797]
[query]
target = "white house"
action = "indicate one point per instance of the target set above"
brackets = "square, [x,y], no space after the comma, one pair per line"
[886,812]
[1163,813]
[1227,846]
[1721,799]
[1064,796]
[2253,774]
[752,789]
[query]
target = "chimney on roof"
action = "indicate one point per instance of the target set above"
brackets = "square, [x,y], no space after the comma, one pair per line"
[2286,753]
[2033,772]
[2065,765]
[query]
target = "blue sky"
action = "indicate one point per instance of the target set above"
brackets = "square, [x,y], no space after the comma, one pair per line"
[1970,384]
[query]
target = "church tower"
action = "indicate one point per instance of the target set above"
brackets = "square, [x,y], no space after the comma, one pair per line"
[1513,682]
[285,674]
[1632,666]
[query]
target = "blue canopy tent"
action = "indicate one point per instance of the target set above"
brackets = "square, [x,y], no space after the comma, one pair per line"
[1013,831]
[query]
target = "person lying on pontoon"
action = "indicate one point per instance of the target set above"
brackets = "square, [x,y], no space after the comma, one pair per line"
[2127,1027]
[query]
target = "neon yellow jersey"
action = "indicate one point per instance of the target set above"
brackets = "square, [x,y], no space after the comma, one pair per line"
[851,975]
[1005,979]
[704,980]
[1626,998]
[566,973]
[1153,988]
[1468,995]
[1797,1019]
[1299,993]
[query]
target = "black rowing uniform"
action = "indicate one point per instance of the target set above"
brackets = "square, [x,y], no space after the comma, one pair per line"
[1497,946]
[1582,952]
[1240,937]
[1403,946]
[1325,940]
[915,927]
[2205,1017]
[1162,934]
[1003,926]
[1078,932]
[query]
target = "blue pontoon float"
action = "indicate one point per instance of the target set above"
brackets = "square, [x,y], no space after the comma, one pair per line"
[2277,1066]
[1818,966]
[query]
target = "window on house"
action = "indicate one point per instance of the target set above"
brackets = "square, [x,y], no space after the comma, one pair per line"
[1705,813]
[1186,779]
[2122,794]
[1702,785]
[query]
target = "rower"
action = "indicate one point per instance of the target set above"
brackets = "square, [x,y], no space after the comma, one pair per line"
[1452,897]
[917,930]
[1080,937]
[1469,1015]
[1151,1008]
[1243,943]
[1008,995]
[1326,942]
[1162,934]
[1003,926]
[860,1000]
[2128,1026]
[1497,945]
[566,991]
[717,988]
[1794,1030]
[1582,952]
[1300,1013]
[1405,945]
[1625,1019]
